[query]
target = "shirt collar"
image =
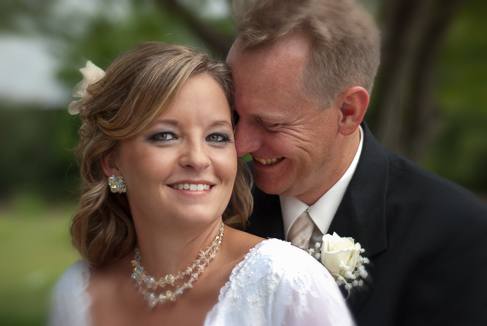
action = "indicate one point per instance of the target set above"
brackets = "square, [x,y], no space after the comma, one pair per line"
[323,211]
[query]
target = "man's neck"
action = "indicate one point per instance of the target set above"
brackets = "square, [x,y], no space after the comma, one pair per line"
[339,165]
[324,208]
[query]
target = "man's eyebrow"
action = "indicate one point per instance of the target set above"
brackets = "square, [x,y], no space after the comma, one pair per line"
[268,117]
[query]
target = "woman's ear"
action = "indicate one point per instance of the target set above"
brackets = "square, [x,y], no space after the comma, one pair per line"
[352,104]
[109,164]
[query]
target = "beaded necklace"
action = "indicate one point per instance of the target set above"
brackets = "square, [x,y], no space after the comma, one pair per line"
[145,282]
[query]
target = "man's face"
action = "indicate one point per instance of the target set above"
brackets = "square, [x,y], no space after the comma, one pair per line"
[292,142]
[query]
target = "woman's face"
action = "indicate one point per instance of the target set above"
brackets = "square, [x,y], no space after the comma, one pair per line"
[182,168]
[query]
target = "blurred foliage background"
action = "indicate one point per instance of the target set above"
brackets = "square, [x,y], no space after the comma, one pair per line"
[429,104]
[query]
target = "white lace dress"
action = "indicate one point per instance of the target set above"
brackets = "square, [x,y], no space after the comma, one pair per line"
[275,284]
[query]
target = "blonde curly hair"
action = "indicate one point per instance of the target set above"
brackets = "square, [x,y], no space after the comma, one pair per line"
[138,87]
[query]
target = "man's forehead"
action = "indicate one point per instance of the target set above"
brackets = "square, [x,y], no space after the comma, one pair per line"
[267,75]
[292,47]
[268,79]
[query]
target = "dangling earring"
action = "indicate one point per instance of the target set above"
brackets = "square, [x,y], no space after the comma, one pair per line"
[117,184]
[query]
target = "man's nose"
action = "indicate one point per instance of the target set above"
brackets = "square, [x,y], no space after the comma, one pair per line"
[248,138]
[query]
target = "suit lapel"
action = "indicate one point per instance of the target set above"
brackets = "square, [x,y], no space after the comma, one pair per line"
[361,214]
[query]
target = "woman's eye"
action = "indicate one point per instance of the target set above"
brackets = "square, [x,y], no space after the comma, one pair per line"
[218,138]
[163,136]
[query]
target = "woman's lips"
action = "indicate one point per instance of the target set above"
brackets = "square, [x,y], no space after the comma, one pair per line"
[191,186]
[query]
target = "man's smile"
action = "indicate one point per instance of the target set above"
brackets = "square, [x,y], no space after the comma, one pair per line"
[270,161]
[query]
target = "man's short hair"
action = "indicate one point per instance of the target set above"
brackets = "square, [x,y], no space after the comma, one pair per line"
[345,44]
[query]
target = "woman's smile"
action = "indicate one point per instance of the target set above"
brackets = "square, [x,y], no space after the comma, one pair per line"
[191,186]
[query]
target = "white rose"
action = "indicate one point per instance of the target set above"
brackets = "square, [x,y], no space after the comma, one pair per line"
[335,250]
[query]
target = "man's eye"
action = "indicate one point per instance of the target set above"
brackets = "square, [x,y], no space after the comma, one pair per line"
[218,138]
[273,126]
[163,136]
[270,126]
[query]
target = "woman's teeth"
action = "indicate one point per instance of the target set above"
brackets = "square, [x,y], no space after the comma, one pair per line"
[191,186]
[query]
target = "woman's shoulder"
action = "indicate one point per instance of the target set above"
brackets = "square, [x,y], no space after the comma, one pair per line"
[280,265]
[78,272]
[284,256]
[274,253]
[70,301]
[278,283]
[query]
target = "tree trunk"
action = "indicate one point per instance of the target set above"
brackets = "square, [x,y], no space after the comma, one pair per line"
[422,117]
[403,112]
[218,43]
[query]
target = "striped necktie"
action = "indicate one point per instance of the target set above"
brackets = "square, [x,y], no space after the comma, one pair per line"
[301,230]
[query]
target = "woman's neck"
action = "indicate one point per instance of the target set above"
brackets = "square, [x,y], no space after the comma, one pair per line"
[167,250]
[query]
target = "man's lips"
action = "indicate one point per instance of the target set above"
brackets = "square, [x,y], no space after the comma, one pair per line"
[268,161]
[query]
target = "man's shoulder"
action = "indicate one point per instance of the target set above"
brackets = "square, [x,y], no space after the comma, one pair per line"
[405,179]
[405,200]
[422,205]
[418,185]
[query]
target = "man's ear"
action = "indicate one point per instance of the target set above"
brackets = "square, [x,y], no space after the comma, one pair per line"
[352,104]
[109,164]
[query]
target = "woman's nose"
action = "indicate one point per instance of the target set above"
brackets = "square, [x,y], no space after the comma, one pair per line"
[195,156]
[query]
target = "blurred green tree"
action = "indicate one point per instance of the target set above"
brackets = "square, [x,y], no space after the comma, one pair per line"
[428,103]
[404,113]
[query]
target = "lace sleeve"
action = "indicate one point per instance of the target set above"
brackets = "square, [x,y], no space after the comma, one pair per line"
[308,294]
[278,284]
[70,302]
[314,298]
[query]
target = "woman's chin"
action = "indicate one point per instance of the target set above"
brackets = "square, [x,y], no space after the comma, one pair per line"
[196,217]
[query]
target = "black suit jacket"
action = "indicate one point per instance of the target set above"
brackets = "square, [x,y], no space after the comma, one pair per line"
[425,236]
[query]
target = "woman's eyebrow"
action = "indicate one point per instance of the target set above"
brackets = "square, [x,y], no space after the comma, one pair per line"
[224,123]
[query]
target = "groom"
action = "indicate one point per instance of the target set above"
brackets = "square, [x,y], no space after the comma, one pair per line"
[303,73]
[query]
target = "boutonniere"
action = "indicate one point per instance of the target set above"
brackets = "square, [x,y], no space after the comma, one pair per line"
[341,256]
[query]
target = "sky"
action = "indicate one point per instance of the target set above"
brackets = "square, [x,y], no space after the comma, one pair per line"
[28,69]
[28,72]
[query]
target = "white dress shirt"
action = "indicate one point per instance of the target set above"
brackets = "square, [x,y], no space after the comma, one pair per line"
[323,211]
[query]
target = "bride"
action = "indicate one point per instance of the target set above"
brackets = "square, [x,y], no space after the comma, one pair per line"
[159,239]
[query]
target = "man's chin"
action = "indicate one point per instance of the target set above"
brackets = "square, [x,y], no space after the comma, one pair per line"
[268,186]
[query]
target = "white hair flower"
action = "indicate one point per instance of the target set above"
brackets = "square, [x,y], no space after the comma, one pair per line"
[91,74]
